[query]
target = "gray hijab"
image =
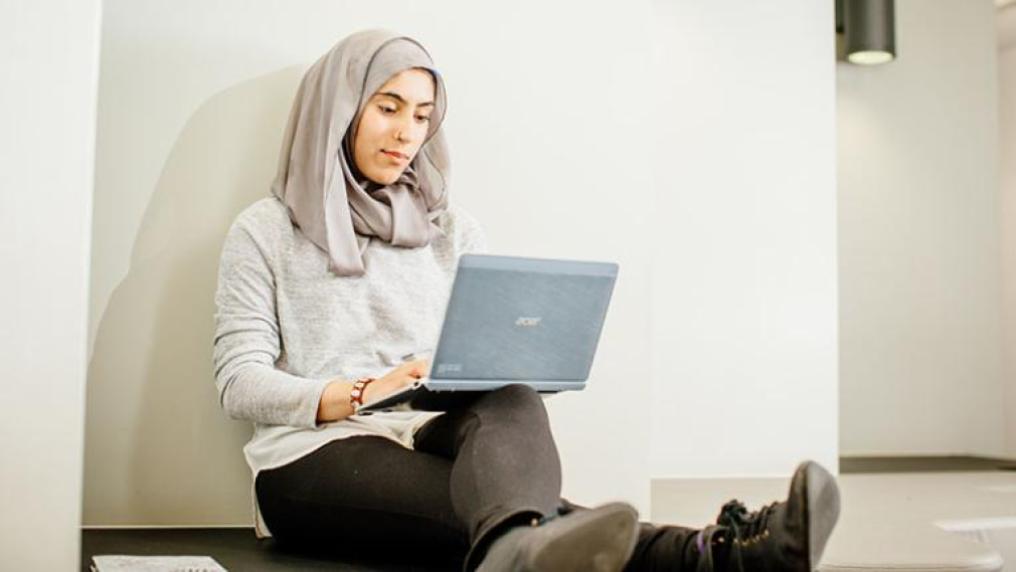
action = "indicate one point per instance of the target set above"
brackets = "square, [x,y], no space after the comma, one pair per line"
[334,205]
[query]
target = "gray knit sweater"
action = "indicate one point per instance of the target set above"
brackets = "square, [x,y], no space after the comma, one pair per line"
[285,327]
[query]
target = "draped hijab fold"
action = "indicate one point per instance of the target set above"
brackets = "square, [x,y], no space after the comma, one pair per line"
[335,206]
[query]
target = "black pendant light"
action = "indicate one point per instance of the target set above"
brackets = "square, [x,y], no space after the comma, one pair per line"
[869,30]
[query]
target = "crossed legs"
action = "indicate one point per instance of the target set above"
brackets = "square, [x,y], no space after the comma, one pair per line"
[475,471]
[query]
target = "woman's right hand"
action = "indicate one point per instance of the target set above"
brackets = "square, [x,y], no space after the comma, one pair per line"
[402,376]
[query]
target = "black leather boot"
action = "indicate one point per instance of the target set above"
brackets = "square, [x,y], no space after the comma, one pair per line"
[787,536]
[599,539]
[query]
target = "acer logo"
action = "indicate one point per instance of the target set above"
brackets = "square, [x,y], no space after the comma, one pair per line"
[526,321]
[449,368]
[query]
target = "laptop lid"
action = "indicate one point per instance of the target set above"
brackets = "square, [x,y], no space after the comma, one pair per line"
[526,319]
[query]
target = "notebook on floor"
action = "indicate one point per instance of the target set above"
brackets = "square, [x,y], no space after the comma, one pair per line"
[510,319]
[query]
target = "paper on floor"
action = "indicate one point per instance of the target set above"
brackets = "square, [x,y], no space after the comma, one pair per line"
[122,563]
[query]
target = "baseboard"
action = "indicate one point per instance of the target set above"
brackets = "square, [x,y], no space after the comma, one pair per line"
[923,463]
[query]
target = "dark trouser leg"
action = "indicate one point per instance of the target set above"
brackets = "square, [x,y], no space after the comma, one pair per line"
[506,468]
[664,548]
[364,494]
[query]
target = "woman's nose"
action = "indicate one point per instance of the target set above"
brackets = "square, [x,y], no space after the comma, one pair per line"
[403,130]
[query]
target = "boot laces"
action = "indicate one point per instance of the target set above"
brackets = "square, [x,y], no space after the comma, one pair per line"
[735,527]
[745,525]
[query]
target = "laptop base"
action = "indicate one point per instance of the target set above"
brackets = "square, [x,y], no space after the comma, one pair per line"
[420,397]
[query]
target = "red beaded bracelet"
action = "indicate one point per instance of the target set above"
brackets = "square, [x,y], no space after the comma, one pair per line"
[356,395]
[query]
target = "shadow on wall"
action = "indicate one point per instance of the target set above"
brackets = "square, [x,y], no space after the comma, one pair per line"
[158,448]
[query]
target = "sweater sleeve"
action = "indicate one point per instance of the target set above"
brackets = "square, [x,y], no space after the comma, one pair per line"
[247,341]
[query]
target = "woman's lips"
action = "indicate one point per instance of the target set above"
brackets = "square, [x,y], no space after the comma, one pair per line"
[395,155]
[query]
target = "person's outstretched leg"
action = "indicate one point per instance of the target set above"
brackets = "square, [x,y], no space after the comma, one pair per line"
[782,536]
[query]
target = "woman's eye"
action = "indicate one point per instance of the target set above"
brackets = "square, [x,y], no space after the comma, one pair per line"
[386,109]
[423,118]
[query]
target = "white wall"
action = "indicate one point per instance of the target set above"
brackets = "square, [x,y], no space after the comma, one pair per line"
[49,54]
[744,318]
[920,305]
[1006,28]
[543,127]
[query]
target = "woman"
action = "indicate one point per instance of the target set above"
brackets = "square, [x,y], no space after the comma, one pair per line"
[341,276]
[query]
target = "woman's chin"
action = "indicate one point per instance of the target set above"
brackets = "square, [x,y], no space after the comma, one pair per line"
[388,179]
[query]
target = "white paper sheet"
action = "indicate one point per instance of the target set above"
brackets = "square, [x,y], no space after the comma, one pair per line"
[123,563]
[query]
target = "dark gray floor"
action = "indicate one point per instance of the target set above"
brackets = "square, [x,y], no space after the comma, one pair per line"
[238,549]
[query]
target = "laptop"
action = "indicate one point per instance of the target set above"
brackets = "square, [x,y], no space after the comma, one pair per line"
[533,321]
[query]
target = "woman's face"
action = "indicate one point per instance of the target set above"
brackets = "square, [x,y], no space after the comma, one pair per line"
[393,125]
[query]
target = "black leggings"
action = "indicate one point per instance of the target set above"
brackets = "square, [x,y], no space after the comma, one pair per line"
[475,470]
